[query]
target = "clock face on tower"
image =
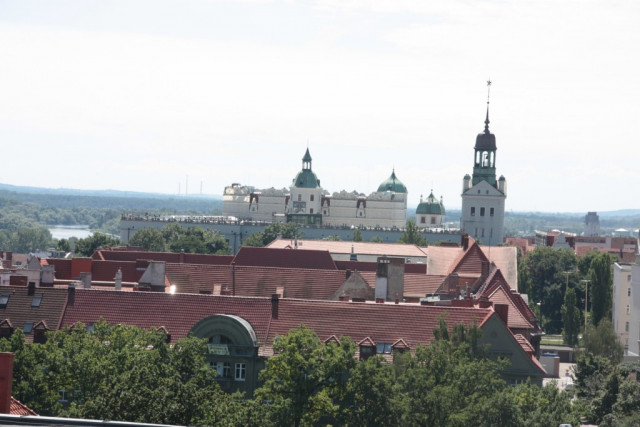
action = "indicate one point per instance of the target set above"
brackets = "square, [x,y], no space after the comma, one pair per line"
[299,207]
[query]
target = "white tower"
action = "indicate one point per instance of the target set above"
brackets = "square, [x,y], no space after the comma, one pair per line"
[483,196]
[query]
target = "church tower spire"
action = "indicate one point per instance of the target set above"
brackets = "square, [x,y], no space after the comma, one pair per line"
[484,165]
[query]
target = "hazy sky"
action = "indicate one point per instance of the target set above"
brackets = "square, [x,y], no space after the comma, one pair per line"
[136,95]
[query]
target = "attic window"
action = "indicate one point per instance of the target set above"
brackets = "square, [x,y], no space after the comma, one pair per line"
[35,302]
[366,352]
[383,348]
[28,326]
[4,300]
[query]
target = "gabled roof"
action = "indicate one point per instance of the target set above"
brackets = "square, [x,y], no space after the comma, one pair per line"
[360,248]
[18,408]
[286,258]
[19,308]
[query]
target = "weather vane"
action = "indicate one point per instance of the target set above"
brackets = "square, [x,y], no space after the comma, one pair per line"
[488,90]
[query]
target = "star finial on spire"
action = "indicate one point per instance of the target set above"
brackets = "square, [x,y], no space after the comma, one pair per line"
[486,121]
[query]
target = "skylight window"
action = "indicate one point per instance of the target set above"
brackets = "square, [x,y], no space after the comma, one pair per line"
[28,327]
[4,300]
[35,302]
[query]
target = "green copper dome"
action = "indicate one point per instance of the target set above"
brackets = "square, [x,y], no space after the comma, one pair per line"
[306,178]
[431,206]
[392,184]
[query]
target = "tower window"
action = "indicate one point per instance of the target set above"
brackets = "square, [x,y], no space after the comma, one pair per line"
[433,220]
[299,197]
[473,211]
[491,211]
[311,197]
[481,211]
[423,220]
[311,210]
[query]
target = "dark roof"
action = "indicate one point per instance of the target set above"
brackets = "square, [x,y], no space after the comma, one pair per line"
[392,184]
[410,268]
[486,140]
[431,206]
[287,258]
[19,306]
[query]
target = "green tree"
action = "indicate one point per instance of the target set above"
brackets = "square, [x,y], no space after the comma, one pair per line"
[150,238]
[116,373]
[304,376]
[357,235]
[570,318]
[412,235]
[377,239]
[370,394]
[88,245]
[288,230]
[603,341]
[601,287]
[545,267]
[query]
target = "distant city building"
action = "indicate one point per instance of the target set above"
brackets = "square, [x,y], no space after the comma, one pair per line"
[591,224]
[622,301]
[307,203]
[483,196]
[430,212]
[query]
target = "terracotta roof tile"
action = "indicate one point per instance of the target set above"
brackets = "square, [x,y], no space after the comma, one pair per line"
[18,408]
[287,258]
[360,248]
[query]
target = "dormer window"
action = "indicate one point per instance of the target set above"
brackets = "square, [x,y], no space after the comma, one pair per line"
[28,326]
[4,300]
[366,352]
[383,348]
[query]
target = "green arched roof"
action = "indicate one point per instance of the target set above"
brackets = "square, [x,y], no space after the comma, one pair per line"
[306,179]
[392,184]
[431,206]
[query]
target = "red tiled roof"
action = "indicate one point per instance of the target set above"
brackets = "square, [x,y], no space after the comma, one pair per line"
[105,271]
[178,313]
[127,255]
[360,248]
[287,258]
[19,309]
[412,268]
[18,408]
[62,267]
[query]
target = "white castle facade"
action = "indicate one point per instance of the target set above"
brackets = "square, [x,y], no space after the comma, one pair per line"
[306,202]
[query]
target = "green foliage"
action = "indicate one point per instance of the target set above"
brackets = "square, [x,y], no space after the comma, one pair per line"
[570,318]
[357,235]
[377,239]
[150,238]
[603,341]
[304,376]
[88,245]
[542,407]
[333,238]
[26,239]
[412,235]
[115,373]
[601,285]
[288,230]
[544,267]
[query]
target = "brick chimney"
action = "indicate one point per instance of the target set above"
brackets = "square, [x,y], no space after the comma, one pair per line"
[275,302]
[31,288]
[502,310]
[85,278]
[464,240]
[6,381]
[118,280]
[71,294]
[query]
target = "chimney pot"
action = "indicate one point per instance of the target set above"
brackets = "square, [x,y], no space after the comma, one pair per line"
[379,300]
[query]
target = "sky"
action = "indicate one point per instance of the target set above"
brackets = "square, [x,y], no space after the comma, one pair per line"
[187,96]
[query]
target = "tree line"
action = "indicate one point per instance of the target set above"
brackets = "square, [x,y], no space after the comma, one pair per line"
[119,372]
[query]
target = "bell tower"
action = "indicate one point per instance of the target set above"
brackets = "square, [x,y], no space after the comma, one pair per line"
[483,195]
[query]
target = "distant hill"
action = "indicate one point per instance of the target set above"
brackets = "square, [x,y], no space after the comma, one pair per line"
[102,193]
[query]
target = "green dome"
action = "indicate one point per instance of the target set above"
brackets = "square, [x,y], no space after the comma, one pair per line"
[392,184]
[306,179]
[431,206]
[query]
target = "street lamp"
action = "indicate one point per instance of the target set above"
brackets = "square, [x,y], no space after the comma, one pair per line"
[567,273]
[586,298]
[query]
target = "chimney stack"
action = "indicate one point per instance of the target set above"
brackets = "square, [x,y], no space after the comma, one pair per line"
[274,306]
[465,241]
[71,293]
[118,280]
[85,278]
[31,288]
[6,381]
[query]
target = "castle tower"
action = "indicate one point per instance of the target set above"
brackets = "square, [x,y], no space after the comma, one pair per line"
[483,196]
[430,212]
[306,195]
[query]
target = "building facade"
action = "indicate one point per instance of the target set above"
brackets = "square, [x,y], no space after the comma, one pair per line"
[307,203]
[622,301]
[483,196]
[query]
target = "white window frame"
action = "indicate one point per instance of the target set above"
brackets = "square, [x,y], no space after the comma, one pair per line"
[240,372]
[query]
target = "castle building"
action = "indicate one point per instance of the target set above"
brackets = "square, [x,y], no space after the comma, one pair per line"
[430,213]
[483,196]
[307,203]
